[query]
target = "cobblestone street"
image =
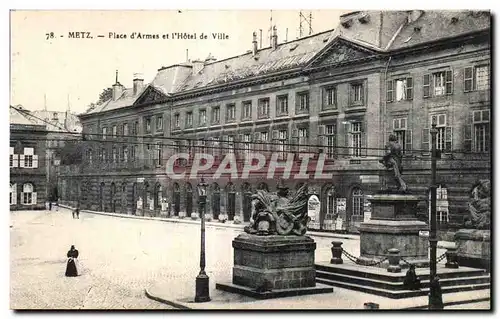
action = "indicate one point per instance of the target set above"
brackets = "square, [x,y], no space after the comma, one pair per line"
[119,258]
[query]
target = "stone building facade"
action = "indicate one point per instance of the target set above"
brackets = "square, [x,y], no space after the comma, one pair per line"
[28,182]
[333,96]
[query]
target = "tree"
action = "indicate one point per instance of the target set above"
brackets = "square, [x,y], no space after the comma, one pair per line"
[71,153]
[105,95]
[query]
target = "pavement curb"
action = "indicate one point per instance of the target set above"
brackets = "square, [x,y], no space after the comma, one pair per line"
[212,224]
[165,301]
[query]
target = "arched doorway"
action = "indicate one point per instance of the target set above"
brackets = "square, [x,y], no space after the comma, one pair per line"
[124,198]
[357,207]
[189,199]
[134,198]
[329,211]
[101,197]
[177,199]
[112,200]
[158,195]
[215,200]
[263,186]
[231,201]
[247,201]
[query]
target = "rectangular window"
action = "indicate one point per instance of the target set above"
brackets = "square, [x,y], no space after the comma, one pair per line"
[203,117]
[264,138]
[247,139]
[104,133]
[158,156]
[115,131]
[28,157]
[115,155]
[189,119]
[282,105]
[263,108]
[216,115]
[303,139]
[282,141]
[147,122]
[481,130]
[356,139]
[27,198]
[404,135]
[177,120]
[177,150]
[230,113]
[477,78]
[330,98]
[133,152]
[331,140]
[159,123]
[400,89]
[230,144]
[356,94]
[247,110]
[438,83]
[13,158]
[303,101]
[125,129]
[125,154]
[441,137]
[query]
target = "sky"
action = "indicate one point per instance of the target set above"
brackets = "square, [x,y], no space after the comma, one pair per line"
[62,71]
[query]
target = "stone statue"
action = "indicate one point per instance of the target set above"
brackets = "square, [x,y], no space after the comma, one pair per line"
[279,213]
[392,160]
[480,207]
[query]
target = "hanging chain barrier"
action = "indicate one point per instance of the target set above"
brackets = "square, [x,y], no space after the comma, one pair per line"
[356,260]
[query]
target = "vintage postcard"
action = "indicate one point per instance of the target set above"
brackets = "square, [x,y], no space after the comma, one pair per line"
[250,159]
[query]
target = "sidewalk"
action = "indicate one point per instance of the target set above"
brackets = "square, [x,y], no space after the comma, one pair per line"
[182,297]
[188,220]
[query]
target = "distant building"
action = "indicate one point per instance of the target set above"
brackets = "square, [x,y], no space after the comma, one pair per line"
[339,93]
[28,182]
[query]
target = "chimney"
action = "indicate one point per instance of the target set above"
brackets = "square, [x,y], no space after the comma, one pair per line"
[138,83]
[275,39]
[254,42]
[117,88]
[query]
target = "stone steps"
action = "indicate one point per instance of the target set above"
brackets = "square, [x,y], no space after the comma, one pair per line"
[398,286]
[379,282]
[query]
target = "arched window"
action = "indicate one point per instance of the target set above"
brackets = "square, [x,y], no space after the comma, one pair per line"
[29,196]
[13,194]
[357,204]
[330,202]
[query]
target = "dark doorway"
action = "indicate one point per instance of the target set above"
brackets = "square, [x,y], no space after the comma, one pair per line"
[177,199]
[231,201]
[134,198]
[112,200]
[101,197]
[216,201]
[189,200]
[247,202]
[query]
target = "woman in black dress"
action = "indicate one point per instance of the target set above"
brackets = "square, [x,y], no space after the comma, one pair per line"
[71,265]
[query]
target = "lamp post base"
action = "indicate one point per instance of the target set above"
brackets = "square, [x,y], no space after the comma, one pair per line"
[202,288]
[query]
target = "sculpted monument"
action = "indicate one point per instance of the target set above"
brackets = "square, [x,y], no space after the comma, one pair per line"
[473,242]
[274,258]
[279,213]
[393,222]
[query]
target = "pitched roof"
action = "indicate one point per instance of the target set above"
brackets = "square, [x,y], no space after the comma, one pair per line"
[127,98]
[435,25]
[286,56]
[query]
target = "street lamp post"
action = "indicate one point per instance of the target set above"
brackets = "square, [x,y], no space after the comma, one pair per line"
[202,280]
[435,296]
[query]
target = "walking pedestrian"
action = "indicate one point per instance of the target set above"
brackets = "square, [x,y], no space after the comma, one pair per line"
[71,269]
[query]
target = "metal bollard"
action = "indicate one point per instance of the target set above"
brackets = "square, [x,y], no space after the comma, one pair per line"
[451,258]
[394,259]
[336,253]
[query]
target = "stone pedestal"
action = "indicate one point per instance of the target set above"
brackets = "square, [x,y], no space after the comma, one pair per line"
[273,266]
[394,224]
[473,248]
